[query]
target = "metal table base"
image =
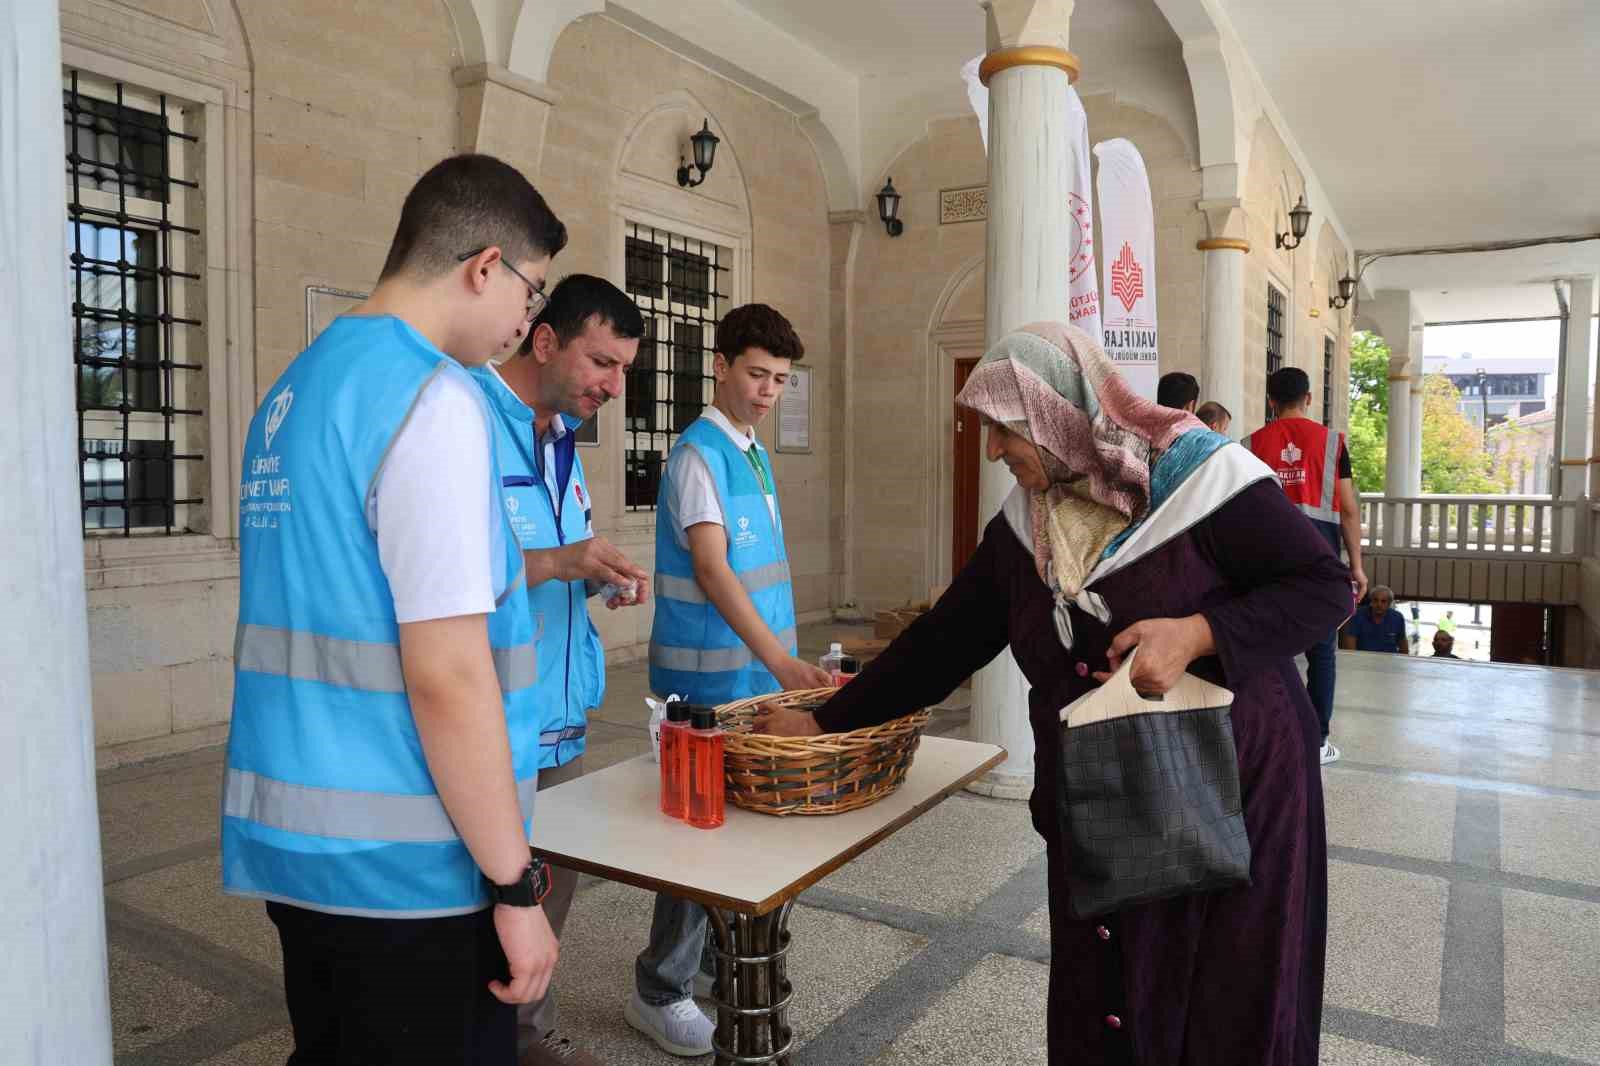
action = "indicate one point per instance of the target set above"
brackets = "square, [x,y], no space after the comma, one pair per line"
[752,990]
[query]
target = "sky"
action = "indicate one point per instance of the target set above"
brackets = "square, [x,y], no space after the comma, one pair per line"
[1504,340]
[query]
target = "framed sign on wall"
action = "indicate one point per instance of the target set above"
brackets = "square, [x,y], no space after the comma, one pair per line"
[794,412]
[324,304]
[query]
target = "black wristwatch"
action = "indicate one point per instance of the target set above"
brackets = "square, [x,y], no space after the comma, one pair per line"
[529,890]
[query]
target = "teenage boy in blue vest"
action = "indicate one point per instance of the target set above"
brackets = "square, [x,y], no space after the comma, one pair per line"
[569,366]
[724,620]
[384,753]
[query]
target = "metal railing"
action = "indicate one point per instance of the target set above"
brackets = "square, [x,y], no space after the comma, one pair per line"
[1520,527]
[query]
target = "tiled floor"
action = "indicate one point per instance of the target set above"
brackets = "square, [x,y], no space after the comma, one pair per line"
[1464,873]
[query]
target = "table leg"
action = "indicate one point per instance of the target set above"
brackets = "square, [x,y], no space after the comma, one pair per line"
[752,992]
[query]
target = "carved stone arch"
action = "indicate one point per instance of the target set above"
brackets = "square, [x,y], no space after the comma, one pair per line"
[646,160]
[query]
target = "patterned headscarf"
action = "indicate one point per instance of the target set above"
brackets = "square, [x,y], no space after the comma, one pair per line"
[1051,383]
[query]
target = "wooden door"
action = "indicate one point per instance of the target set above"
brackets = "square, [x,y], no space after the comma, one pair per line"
[967,445]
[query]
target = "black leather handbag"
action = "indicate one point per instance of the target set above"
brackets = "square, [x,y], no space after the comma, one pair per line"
[1148,797]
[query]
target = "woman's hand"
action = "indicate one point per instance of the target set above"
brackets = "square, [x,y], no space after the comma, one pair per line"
[786,721]
[1166,648]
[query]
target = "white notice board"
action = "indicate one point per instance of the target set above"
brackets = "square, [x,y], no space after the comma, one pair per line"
[794,412]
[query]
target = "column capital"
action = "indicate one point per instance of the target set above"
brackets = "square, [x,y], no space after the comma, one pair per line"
[1019,23]
[1030,55]
[1225,221]
[1215,244]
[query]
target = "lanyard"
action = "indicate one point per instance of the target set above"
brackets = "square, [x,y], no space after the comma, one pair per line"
[763,478]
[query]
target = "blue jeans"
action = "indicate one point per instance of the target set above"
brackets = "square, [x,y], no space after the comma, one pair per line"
[1319,678]
[664,971]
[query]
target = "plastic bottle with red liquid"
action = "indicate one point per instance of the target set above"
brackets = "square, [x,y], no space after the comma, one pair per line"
[675,761]
[706,783]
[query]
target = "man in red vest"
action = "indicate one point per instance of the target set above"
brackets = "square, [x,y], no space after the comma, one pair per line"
[1313,466]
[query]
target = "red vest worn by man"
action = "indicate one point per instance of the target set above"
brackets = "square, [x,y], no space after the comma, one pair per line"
[1305,456]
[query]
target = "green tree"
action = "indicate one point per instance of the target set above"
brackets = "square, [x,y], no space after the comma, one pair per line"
[1369,409]
[1453,457]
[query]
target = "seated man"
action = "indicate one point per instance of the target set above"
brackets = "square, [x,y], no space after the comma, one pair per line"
[1443,645]
[1378,628]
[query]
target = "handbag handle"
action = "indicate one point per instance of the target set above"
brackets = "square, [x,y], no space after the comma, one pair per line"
[1117,698]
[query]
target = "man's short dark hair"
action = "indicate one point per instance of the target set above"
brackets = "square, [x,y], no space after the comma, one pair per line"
[1177,390]
[577,299]
[757,326]
[467,203]
[1288,385]
[1211,412]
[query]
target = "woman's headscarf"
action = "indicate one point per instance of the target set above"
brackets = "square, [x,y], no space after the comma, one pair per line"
[1052,384]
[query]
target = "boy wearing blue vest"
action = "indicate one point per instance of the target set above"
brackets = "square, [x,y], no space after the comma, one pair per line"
[383,753]
[724,622]
[570,365]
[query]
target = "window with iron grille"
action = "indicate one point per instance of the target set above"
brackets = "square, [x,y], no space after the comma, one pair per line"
[1327,381]
[678,283]
[133,274]
[1275,302]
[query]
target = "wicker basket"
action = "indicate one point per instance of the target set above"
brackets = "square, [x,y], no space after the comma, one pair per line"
[826,774]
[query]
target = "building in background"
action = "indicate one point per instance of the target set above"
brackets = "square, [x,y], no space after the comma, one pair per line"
[1508,387]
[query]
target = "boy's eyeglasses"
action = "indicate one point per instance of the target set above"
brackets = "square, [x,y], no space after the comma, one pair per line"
[537,300]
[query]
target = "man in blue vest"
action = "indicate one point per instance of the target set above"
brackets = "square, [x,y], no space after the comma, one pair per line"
[724,620]
[570,365]
[383,753]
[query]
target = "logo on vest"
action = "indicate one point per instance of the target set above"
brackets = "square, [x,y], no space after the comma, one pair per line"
[579,495]
[278,412]
[1291,454]
[744,538]
[1292,473]
[512,504]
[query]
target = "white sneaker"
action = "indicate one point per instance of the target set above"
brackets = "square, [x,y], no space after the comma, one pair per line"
[679,1028]
[702,984]
[1329,752]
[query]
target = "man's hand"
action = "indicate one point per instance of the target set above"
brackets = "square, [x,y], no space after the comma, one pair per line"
[595,559]
[1358,578]
[531,950]
[795,673]
[1166,648]
[786,721]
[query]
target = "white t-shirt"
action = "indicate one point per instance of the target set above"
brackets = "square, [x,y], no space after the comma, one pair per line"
[430,507]
[694,490]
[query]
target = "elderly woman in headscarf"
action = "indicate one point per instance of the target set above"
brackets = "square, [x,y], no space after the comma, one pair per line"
[1135,525]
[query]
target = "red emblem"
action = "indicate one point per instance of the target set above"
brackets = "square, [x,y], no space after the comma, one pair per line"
[1127,278]
[1082,257]
[577,490]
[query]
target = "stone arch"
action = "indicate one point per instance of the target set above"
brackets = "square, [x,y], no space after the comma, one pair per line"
[648,152]
[964,298]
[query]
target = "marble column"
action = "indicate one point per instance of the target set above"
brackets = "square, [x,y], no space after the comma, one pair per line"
[1397,459]
[1222,368]
[1031,160]
[1575,395]
[1414,427]
[54,1005]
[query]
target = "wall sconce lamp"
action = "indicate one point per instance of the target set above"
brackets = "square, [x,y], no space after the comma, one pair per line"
[889,209]
[1299,222]
[1347,289]
[705,153]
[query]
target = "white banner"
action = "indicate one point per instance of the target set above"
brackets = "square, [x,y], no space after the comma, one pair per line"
[1129,233]
[1083,294]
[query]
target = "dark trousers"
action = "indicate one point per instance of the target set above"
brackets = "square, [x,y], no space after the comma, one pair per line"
[393,991]
[1320,678]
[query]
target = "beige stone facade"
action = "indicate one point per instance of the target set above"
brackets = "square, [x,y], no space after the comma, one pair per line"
[319,117]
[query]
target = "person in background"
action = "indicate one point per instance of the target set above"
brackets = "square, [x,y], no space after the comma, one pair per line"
[1178,391]
[1378,628]
[1444,645]
[1215,416]
[383,751]
[724,620]
[1448,622]
[570,365]
[1313,466]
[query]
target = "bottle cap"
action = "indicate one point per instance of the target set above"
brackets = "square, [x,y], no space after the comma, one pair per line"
[701,717]
[678,711]
[849,665]
[835,649]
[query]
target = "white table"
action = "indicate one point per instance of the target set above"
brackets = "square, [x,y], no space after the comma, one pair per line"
[747,873]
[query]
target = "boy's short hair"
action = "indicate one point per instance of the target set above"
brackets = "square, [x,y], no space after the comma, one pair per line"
[1177,390]
[1211,413]
[757,326]
[467,203]
[579,297]
[1288,385]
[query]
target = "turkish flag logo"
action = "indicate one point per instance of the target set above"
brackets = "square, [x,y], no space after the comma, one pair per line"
[1127,278]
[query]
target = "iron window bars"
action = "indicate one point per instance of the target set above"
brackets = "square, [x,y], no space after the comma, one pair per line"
[677,283]
[128,241]
[1275,302]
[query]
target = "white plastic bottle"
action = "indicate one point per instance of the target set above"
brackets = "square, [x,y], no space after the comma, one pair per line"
[833,661]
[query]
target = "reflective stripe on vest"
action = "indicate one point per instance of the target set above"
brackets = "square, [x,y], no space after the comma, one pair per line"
[355,664]
[347,815]
[688,590]
[709,660]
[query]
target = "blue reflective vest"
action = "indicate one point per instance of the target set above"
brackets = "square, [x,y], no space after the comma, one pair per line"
[693,652]
[572,673]
[327,802]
